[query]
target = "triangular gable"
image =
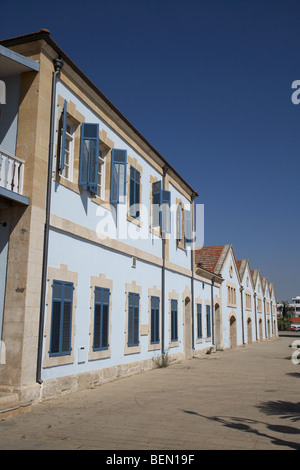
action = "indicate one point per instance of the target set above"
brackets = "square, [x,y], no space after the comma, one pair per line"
[257,280]
[245,270]
[223,259]
[266,287]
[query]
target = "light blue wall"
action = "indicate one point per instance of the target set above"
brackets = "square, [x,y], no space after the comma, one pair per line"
[226,311]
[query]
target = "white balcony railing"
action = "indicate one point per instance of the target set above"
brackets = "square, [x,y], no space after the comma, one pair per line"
[11,172]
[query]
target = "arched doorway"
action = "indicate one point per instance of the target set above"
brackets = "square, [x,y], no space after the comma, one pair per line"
[260,329]
[233,332]
[218,328]
[269,328]
[188,347]
[249,331]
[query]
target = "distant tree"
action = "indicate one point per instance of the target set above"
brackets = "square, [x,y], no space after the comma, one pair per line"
[286,312]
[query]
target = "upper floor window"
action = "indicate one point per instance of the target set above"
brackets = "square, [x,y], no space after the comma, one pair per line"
[67,130]
[101,172]
[134,193]
[67,171]
[161,208]
[118,176]
[89,156]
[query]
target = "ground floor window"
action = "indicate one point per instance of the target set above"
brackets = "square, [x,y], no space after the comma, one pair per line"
[208,321]
[154,320]
[101,318]
[61,318]
[199,321]
[174,320]
[133,319]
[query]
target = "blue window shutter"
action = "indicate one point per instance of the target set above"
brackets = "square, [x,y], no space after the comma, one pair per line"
[89,153]
[118,176]
[154,320]
[156,203]
[208,321]
[101,319]
[134,192]
[179,222]
[188,227]
[63,139]
[174,321]
[61,320]
[199,320]
[165,212]
[133,319]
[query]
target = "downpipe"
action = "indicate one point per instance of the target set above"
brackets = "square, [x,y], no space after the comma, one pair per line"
[58,64]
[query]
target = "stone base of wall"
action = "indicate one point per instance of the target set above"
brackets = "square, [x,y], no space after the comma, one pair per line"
[89,380]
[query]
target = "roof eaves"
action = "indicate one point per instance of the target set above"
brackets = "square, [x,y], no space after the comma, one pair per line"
[45,34]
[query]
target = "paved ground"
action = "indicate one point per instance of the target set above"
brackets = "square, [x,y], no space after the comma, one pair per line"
[240,399]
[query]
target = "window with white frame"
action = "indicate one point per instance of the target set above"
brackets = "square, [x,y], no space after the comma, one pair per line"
[101,172]
[67,171]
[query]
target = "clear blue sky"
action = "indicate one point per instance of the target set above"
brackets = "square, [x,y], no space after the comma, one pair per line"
[208,83]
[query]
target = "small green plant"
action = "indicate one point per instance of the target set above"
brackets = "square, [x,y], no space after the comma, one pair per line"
[162,361]
[210,350]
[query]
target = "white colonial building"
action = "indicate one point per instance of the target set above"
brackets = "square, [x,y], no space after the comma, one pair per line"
[97,230]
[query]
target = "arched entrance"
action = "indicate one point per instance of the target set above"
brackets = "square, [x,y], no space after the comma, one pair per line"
[260,329]
[269,328]
[232,332]
[188,347]
[249,331]
[218,328]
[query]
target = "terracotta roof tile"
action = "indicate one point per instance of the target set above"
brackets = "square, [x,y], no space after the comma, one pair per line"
[208,256]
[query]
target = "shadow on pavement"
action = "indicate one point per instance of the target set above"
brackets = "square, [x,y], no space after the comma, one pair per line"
[247,425]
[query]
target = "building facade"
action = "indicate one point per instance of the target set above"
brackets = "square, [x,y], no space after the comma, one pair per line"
[99,275]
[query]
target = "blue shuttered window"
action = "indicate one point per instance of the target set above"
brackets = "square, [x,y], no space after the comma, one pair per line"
[161,208]
[133,319]
[208,321]
[179,222]
[89,155]
[154,320]
[165,212]
[188,227]
[174,320]
[118,176]
[199,321]
[156,202]
[61,320]
[101,319]
[134,194]
[63,139]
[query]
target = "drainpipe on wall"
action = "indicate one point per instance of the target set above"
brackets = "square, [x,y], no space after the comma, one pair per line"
[255,311]
[192,279]
[212,311]
[242,310]
[165,171]
[265,317]
[58,64]
[272,318]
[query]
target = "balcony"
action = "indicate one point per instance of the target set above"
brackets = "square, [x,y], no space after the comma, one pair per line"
[11,177]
